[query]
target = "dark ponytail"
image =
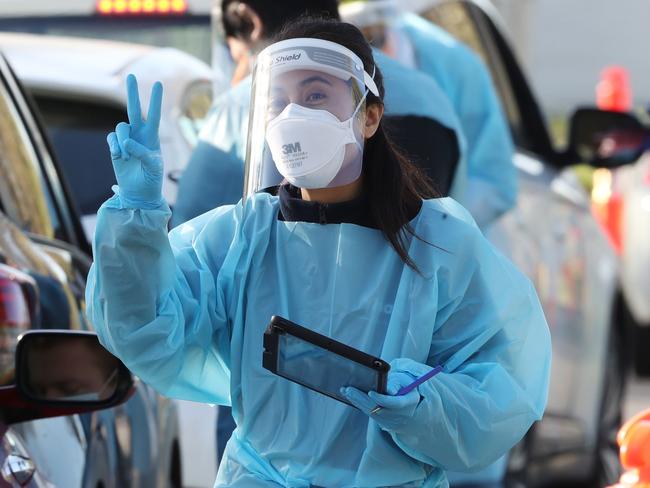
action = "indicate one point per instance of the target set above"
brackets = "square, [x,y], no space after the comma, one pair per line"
[394,186]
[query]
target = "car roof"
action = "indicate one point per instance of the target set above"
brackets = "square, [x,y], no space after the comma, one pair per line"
[97,68]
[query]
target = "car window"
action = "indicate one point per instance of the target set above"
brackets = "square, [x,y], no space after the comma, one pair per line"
[22,187]
[77,131]
[456,18]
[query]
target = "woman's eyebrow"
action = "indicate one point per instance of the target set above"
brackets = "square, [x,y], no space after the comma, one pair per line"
[311,79]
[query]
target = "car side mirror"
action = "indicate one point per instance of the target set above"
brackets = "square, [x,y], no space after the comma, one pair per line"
[69,368]
[605,139]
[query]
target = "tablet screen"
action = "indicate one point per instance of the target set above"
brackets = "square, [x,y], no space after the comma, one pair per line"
[322,370]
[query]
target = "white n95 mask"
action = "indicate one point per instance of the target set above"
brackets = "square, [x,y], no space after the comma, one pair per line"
[308,145]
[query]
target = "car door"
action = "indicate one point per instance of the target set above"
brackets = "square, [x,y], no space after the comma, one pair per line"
[552,237]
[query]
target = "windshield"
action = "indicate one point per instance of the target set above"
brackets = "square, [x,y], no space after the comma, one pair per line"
[189,33]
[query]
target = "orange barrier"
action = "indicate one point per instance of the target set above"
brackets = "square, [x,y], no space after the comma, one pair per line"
[634,442]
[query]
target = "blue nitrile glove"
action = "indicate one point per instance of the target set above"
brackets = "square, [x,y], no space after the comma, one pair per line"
[135,151]
[396,411]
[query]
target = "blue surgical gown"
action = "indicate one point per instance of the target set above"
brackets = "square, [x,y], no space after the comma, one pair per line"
[214,175]
[186,312]
[492,176]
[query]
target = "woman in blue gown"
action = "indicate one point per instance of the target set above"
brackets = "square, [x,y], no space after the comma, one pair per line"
[337,232]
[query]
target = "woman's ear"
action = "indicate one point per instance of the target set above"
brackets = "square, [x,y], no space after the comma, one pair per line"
[374,113]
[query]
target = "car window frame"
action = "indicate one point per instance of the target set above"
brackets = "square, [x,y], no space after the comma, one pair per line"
[520,107]
[20,172]
[504,66]
[45,163]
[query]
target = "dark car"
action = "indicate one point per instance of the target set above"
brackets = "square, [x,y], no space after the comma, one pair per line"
[131,445]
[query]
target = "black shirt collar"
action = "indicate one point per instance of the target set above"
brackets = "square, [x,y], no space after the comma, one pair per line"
[294,209]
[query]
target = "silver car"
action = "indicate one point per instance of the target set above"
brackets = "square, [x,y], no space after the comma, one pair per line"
[552,236]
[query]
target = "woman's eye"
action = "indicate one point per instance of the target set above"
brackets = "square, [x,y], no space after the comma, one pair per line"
[316,97]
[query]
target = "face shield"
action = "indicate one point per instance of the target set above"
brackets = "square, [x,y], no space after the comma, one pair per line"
[379,22]
[307,115]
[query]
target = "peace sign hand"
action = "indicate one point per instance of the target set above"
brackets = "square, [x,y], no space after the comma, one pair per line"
[135,150]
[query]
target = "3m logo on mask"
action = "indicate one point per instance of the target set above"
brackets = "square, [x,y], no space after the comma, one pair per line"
[291,148]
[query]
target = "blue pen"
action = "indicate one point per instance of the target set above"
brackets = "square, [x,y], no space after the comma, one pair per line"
[412,386]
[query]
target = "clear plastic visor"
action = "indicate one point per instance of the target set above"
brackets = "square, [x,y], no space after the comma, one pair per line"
[307,114]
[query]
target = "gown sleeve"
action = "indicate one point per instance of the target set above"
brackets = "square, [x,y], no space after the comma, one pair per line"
[156,300]
[493,342]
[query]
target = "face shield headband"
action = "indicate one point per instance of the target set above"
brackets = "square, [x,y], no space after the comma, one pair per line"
[316,54]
